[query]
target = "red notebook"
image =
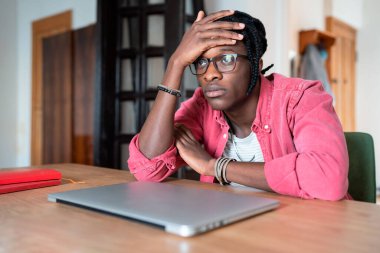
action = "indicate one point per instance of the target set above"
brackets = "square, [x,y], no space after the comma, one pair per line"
[25,179]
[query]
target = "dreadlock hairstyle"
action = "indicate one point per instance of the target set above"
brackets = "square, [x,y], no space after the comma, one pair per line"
[254,41]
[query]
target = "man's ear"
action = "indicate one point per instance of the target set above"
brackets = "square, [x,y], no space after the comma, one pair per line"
[261,64]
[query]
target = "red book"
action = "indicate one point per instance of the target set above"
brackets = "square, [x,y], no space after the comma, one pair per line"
[25,179]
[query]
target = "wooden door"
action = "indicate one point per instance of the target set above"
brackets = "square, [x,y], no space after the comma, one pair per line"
[57,99]
[83,71]
[341,69]
[68,92]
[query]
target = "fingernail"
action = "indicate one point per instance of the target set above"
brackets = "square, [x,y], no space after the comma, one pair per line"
[233,41]
[242,25]
[240,36]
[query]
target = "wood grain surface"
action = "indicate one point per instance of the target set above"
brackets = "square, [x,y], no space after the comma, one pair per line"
[30,223]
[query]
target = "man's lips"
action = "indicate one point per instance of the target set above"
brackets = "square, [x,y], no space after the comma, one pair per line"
[213,92]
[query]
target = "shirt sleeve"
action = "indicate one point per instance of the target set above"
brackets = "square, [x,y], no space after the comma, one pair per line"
[319,167]
[162,166]
[155,169]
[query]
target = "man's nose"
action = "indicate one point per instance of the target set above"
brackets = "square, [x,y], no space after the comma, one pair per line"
[212,73]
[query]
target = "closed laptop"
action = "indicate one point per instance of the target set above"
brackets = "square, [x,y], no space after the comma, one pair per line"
[182,210]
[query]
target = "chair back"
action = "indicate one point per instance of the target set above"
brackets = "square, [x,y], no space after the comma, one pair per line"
[361,174]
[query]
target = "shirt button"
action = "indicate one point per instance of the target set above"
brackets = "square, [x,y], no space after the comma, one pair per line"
[224,136]
[267,128]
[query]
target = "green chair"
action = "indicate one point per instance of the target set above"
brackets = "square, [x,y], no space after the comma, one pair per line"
[361,174]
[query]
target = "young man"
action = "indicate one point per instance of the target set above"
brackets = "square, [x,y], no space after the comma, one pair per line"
[272,133]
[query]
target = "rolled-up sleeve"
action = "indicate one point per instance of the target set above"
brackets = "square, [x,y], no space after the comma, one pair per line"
[155,169]
[319,166]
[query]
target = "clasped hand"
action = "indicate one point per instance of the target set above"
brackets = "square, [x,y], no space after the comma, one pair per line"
[192,151]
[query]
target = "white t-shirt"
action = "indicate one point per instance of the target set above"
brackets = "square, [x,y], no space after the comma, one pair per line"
[243,150]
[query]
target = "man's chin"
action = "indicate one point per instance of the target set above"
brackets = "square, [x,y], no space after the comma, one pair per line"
[217,104]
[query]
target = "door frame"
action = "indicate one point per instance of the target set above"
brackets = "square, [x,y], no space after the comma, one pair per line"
[41,29]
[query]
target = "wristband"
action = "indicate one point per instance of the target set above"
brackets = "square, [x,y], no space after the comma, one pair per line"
[173,92]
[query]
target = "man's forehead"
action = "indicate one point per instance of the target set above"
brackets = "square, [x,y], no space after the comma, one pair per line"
[239,48]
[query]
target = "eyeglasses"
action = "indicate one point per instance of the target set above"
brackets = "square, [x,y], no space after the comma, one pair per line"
[223,63]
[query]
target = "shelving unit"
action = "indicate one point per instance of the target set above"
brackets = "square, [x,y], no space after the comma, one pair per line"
[315,37]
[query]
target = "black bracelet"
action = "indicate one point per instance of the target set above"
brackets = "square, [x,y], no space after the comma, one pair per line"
[174,92]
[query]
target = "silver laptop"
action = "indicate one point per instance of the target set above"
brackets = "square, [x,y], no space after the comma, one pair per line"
[181,210]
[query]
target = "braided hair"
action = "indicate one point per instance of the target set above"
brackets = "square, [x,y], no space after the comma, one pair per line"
[254,41]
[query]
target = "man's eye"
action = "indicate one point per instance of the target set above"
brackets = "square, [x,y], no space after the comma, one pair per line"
[202,63]
[227,59]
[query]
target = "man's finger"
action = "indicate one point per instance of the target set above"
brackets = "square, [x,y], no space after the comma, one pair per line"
[222,34]
[217,15]
[201,14]
[227,25]
[187,132]
[181,135]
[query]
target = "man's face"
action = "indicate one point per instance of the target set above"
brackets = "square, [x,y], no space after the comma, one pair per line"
[226,91]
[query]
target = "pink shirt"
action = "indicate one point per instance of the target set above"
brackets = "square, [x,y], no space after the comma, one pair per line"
[298,130]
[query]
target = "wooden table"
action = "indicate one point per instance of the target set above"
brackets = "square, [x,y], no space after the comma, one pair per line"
[29,223]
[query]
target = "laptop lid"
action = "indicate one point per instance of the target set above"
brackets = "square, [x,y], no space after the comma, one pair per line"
[185,211]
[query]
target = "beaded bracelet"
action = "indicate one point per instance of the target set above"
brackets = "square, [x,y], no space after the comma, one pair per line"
[174,92]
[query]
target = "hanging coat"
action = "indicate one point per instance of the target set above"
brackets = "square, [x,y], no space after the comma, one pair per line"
[313,67]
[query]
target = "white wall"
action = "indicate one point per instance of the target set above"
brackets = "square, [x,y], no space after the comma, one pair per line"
[303,15]
[84,13]
[368,69]
[349,11]
[8,83]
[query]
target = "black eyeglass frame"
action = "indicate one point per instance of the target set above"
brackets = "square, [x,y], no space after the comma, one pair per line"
[214,60]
